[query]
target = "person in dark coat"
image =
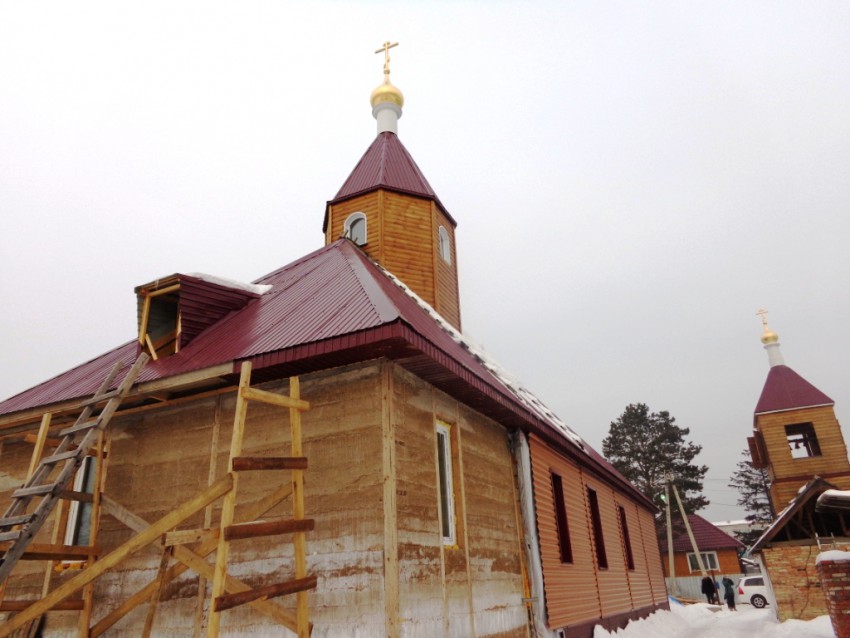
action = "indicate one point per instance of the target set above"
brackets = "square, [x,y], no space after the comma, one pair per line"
[729,592]
[708,589]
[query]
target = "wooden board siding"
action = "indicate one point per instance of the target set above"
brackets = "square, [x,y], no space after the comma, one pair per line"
[368,204]
[580,592]
[402,237]
[640,587]
[409,242]
[833,459]
[445,275]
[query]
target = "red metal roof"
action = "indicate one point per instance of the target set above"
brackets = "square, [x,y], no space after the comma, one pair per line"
[333,307]
[784,389]
[387,164]
[707,536]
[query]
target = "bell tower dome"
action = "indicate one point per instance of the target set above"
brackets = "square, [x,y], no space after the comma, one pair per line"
[388,208]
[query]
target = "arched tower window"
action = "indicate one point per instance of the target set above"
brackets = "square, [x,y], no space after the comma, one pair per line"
[445,244]
[355,228]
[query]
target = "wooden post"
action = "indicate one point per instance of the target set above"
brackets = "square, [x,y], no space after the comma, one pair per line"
[229,504]
[38,450]
[671,562]
[94,530]
[689,530]
[302,611]
[202,582]
[391,596]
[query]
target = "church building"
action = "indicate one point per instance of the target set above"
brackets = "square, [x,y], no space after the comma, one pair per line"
[797,438]
[320,450]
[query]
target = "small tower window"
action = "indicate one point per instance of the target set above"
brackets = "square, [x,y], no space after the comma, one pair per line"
[355,228]
[802,440]
[445,244]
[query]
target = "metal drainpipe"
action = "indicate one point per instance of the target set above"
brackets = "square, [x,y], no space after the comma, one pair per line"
[532,543]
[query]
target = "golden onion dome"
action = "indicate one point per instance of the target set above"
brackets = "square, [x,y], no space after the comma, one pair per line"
[769,336]
[387,92]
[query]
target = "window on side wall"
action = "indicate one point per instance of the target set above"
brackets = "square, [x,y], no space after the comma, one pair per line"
[627,541]
[445,244]
[709,559]
[355,228]
[598,537]
[561,521]
[802,440]
[446,484]
[78,529]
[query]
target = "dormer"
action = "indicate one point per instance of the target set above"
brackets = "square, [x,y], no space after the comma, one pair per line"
[174,310]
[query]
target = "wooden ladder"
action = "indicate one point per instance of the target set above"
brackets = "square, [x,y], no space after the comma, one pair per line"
[297,525]
[17,527]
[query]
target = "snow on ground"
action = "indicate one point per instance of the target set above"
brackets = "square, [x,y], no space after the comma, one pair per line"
[705,621]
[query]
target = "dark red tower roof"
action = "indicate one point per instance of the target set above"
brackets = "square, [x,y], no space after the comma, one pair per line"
[387,164]
[787,390]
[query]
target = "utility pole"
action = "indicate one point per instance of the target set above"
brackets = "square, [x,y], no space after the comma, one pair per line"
[671,562]
[688,527]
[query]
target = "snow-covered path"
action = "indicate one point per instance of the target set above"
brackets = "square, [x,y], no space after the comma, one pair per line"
[700,621]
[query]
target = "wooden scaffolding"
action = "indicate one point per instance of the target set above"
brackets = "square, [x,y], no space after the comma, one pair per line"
[180,550]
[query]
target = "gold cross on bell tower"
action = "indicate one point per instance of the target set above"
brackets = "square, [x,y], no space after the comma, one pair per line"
[762,313]
[385,47]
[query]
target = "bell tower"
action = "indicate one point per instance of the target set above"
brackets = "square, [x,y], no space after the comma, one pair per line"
[388,208]
[796,434]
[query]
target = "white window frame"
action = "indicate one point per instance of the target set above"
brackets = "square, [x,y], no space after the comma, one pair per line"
[445,243]
[709,559]
[445,484]
[352,219]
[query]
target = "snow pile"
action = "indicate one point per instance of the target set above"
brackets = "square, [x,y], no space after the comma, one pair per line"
[525,396]
[698,621]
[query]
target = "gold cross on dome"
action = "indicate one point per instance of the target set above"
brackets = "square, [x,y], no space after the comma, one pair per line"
[385,47]
[763,314]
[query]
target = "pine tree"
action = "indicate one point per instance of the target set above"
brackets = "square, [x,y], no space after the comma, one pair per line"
[646,446]
[753,485]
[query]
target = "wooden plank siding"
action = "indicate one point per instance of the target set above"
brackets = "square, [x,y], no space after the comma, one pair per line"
[832,464]
[445,274]
[409,242]
[402,236]
[368,204]
[581,592]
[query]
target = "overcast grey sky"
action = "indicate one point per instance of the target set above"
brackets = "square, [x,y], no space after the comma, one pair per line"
[631,181]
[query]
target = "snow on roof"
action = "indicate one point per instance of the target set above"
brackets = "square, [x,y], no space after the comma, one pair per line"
[257,289]
[832,554]
[525,396]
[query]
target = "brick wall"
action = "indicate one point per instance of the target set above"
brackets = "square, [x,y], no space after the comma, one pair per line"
[835,577]
[795,581]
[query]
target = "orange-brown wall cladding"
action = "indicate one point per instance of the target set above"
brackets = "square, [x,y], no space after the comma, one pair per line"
[581,591]
[833,459]
[727,560]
